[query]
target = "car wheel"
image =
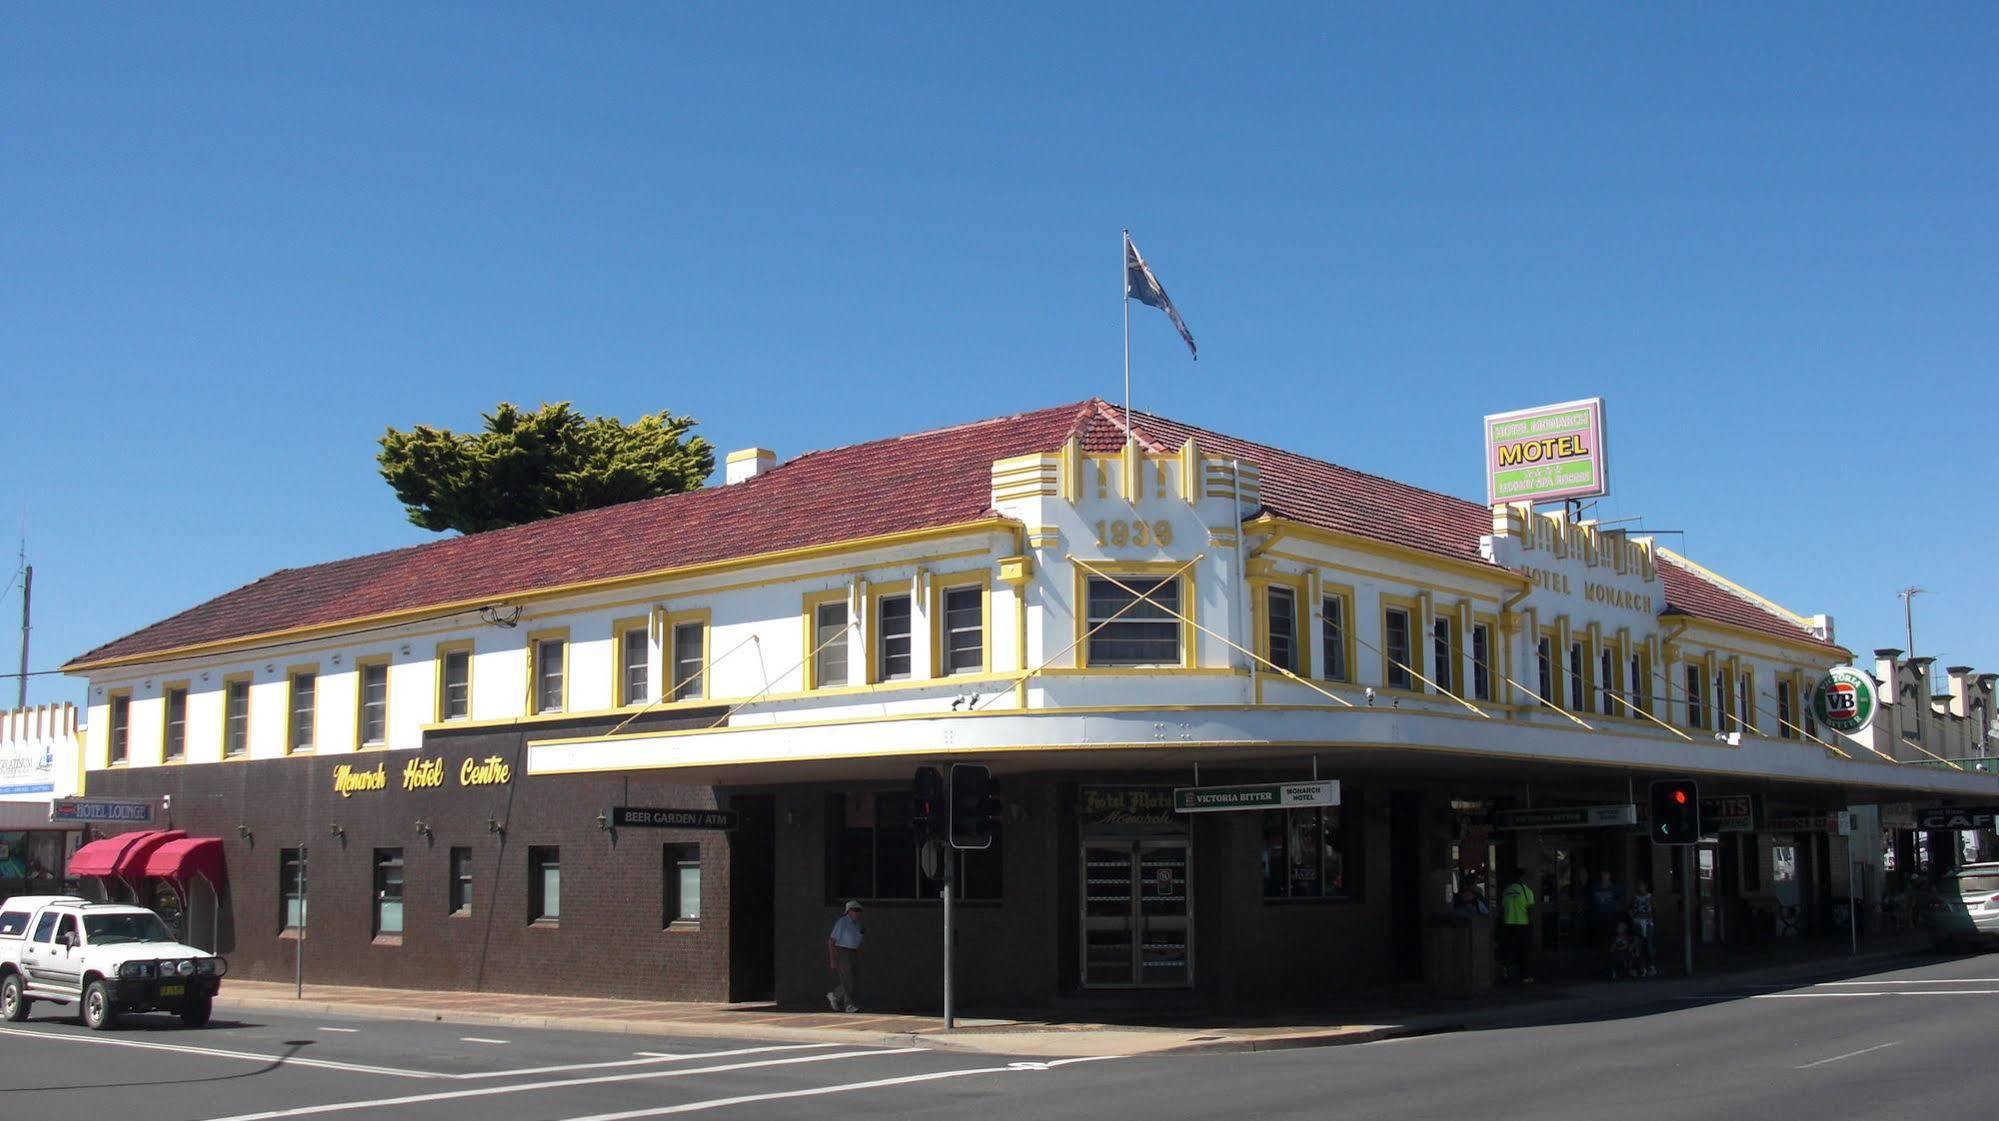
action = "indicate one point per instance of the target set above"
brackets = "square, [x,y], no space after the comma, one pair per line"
[98,1015]
[195,1012]
[13,999]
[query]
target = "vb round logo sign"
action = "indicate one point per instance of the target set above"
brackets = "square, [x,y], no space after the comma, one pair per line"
[1844,701]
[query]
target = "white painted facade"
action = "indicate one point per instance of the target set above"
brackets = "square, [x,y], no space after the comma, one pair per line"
[1062,517]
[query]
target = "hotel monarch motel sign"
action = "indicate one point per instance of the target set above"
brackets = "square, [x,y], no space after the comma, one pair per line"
[1545,454]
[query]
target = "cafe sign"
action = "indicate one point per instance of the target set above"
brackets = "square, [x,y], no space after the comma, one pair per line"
[1259,796]
[422,774]
[1546,454]
[1959,817]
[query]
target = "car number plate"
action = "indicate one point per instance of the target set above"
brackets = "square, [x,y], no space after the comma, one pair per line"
[173,990]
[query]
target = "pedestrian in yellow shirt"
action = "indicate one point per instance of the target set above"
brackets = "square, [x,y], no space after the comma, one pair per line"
[1516,941]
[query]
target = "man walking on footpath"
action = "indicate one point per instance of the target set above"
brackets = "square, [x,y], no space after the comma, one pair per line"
[1516,942]
[843,955]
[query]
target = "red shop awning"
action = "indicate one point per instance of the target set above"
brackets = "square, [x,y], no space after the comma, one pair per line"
[182,860]
[123,855]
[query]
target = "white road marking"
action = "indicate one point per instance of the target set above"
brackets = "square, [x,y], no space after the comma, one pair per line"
[1898,992]
[560,1084]
[1849,1055]
[481,1039]
[843,1088]
[650,1057]
[1939,981]
[214,1053]
[348,1031]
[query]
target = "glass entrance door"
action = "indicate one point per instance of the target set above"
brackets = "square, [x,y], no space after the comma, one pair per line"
[1137,922]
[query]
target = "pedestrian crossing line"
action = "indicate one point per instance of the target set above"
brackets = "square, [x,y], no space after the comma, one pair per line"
[647,1058]
[558,1084]
[217,1053]
[841,1088]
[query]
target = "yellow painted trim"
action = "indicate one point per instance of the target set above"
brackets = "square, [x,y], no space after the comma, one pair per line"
[532,652]
[186,688]
[669,676]
[872,629]
[945,582]
[1286,528]
[292,673]
[1189,606]
[361,668]
[619,629]
[810,604]
[1397,579]
[438,655]
[248,681]
[521,596]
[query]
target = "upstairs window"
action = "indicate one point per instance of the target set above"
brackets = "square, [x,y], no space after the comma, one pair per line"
[1443,655]
[235,718]
[1544,659]
[635,664]
[1148,634]
[690,658]
[1395,641]
[1607,683]
[1641,683]
[551,670]
[1281,616]
[1746,701]
[964,630]
[174,747]
[892,638]
[120,741]
[1696,718]
[1787,716]
[301,725]
[1578,678]
[454,673]
[374,709]
[1333,632]
[829,640]
[1481,661]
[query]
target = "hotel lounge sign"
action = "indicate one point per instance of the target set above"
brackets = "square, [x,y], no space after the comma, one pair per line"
[1547,453]
[421,774]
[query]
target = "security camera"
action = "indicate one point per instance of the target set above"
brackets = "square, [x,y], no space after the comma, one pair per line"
[166,801]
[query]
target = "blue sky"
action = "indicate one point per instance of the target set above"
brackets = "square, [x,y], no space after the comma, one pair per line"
[239,243]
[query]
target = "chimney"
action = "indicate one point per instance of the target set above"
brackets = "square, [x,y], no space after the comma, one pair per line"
[1822,627]
[748,464]
[1961,687]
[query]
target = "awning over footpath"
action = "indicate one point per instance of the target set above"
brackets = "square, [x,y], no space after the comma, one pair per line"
[182,860]
[123,856]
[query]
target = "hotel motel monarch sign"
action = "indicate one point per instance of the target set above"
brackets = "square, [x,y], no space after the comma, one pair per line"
[1546,453]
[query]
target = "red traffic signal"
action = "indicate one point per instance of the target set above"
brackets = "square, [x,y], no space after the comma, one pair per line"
[1676,812]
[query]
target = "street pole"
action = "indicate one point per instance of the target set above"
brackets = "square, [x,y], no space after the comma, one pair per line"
[950,1005]
[298,946]
[27,596]
[1852,899]
[1689,899]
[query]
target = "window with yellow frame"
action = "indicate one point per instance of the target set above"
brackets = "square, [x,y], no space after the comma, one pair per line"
[371,702]
[891,630]
[1135,616]
[454,681]
[548,671]
[686,674]
[631,661]
[828,624]
[960,623]
[1280,617]
[1336,637]
[1398,643]
[301,708]
[236,715]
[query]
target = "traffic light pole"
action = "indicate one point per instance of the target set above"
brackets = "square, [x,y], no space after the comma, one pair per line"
[1690,895]
[950,1004]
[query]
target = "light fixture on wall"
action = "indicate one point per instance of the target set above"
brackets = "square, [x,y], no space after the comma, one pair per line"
[495,825]
[335,659]
[243,831]
[423,829]
[406,649]
[270,667]
[339,832]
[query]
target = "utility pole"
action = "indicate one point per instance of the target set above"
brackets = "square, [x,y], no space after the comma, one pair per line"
[27,600]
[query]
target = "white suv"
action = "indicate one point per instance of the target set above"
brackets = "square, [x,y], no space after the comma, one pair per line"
[106,958]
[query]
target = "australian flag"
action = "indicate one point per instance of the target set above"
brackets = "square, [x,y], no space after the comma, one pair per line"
[1141,285]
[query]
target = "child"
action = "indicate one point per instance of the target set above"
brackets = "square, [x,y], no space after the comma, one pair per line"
[1641,918]
[1624,953]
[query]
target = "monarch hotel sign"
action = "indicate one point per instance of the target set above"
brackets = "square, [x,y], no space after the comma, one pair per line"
[1545,454]
[421,774]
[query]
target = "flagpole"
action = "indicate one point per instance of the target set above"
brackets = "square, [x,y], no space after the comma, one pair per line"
[1124,283]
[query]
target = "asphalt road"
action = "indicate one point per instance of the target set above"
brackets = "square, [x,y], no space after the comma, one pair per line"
[1905,1043]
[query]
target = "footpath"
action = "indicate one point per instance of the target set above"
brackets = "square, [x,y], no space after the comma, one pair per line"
[1361,1019]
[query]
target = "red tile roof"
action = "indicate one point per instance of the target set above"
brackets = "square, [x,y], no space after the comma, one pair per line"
[921,481]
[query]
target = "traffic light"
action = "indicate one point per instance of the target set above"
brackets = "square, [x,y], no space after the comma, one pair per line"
[975,806]
[1676,812]
[926,804]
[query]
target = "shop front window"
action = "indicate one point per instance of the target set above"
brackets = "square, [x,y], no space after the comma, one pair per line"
[1307,854]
